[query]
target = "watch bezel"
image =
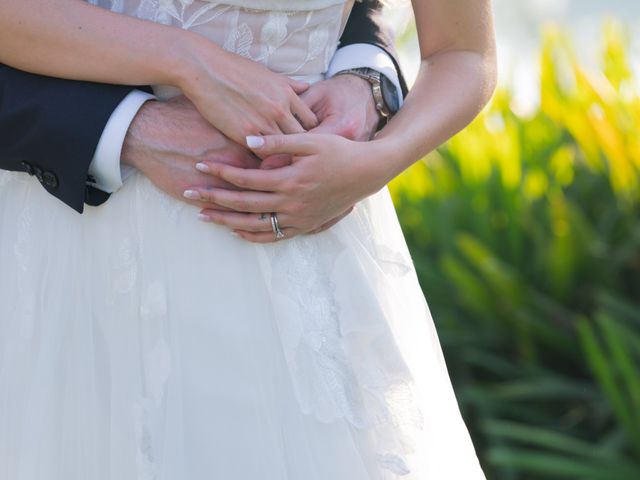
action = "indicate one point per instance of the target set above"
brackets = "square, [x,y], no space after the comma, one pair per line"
[389,94]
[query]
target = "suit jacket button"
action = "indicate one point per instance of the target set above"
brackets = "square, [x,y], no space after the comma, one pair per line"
[39,174]
[27,167]
[50,179]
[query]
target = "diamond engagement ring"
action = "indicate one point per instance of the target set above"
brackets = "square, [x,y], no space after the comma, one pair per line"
[276,227]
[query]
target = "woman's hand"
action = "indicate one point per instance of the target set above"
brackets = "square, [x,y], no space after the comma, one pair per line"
[241,97]
[327,177]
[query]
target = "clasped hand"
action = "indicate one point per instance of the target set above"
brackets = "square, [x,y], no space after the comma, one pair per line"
[327,176]
[311,180]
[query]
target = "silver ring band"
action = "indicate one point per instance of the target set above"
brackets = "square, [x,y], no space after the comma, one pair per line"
[276,227]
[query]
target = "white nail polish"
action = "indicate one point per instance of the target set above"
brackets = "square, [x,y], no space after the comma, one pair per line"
[203,167]
[204,218]
[191,195]
[254,141]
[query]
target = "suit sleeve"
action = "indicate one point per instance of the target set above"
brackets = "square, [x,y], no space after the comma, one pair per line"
[365,25]
[49,128]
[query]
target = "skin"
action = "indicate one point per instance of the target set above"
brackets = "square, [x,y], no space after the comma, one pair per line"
[328,173]
[76,40]
[167,139]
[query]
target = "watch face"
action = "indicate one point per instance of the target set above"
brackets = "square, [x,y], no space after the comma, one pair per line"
[390,94]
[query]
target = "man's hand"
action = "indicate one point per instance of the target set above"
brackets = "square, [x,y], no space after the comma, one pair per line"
[344,106]
[167,139]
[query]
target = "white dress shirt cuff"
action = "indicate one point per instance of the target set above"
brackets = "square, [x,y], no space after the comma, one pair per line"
[105,166]
[359,55]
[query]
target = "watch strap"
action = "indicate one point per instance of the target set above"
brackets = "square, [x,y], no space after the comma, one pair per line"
[374,79]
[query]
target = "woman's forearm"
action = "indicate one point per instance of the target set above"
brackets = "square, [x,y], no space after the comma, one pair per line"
[450,90]
[73,39]
[456,78]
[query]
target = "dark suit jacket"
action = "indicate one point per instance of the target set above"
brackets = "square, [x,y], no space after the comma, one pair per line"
[49,128]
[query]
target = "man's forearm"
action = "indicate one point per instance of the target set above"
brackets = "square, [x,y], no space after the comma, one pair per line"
[54,125]
[105,168]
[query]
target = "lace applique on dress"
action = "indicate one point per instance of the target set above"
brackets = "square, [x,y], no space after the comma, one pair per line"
[343,359]
[148,411]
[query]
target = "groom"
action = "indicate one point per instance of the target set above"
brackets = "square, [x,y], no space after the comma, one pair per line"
[80,139]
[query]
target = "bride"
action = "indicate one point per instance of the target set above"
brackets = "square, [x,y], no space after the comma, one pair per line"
[138,342]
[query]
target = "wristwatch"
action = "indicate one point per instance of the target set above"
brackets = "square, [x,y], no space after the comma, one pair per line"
[385,93]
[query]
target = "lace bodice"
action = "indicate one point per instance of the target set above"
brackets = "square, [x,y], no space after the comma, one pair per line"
[295,38]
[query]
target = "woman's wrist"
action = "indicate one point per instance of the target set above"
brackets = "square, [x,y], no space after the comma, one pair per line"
[184,59]
[374,166]
[394,158]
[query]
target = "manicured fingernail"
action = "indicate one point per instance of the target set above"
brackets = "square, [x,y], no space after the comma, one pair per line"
[254,141]
[204,218]
[191,195]
[203,167]
[235,234]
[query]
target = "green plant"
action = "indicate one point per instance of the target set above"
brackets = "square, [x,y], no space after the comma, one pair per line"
[525,232]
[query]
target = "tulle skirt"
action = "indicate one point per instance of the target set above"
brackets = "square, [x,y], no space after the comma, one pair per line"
[139,343]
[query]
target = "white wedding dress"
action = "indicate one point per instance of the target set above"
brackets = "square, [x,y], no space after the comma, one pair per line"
[138,343]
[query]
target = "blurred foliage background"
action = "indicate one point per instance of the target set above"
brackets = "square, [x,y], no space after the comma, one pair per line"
[525,231]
